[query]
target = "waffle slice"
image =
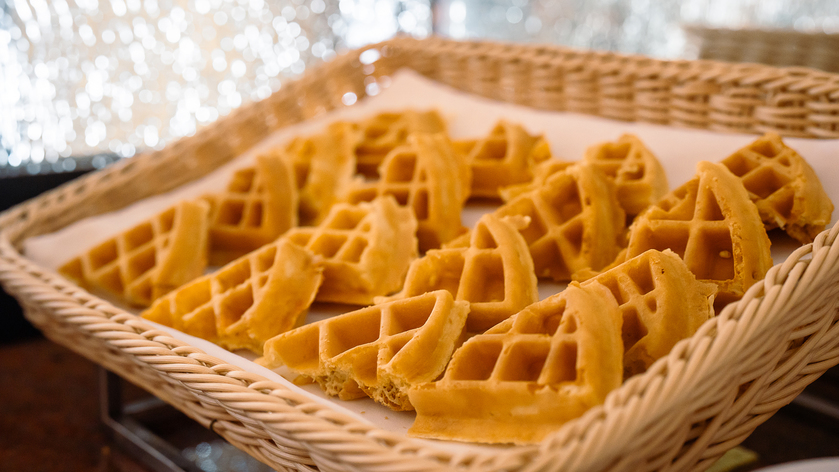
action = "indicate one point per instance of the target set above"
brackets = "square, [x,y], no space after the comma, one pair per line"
[661,303]
[494,274]
[786,190]
[324,165]
[366,248]
[528,375]
[505,157]
[380,350]
[259,204]
[246,302]
[384,132]
[638,175]
[713,226]
[150,259]
[541,172]
[576,224]
[428,177]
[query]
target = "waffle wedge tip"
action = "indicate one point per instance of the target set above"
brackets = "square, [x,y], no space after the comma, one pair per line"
[711,223]
[379,351]
[505,157]
[258,205]
[661,302]
[576,222]
[427,176]
[246,302]
[527,376]
[494,273]
[786,190]
[366,249]
[150,259]
[637,173]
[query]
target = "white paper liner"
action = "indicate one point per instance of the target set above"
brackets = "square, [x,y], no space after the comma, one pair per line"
[468,116]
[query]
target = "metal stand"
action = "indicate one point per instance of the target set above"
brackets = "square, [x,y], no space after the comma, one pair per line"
[828,409]
[130,435]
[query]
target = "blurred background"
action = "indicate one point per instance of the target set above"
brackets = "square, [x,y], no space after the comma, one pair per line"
[86,82]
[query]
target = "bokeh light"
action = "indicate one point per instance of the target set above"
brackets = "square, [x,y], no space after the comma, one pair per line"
[89,77]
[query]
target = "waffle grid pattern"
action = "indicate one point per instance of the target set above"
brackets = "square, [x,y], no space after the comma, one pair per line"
[258,204]
[779,181]
[494,273]
[506,156]
[637,174]
[382,133]
[567,232]
[660,302]
[366,249]
[529,374]
[233,306]
[358,353]
[135,265]
[242,205]
[690,221]
[426,177]
[341,238]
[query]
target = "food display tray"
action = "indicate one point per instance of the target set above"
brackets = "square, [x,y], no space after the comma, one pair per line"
[692,406]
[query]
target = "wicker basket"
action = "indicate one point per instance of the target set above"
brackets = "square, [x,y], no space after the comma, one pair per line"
[778,47]
[691,407]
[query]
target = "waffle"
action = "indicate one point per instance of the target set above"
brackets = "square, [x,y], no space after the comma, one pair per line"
[148,260]
[258,205]
[787,192]
[324,165]
[380,350]
[638,175]
[246,302]
[541,172]
[528,375]
[660,301]
[505,157]
[366,248]
[713,226]
[494,274]
[385,132]
[427,176]
[576,224]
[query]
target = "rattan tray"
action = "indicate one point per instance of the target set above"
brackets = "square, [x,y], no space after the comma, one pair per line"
[704,398]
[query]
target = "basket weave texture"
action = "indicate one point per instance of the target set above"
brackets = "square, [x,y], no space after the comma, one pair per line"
[768,46]
[687,410]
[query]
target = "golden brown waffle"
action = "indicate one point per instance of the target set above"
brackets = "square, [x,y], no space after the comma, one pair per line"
[258,205]
[576,224]
[528,375]
[150,259]
[713,226]
[324,165]
[494,274]
[366,248]
[246,302]
[661,303]
[380,350]
[384,132]
[428,177]
[505,157]
[786,190]
[638,175]
[541,172]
